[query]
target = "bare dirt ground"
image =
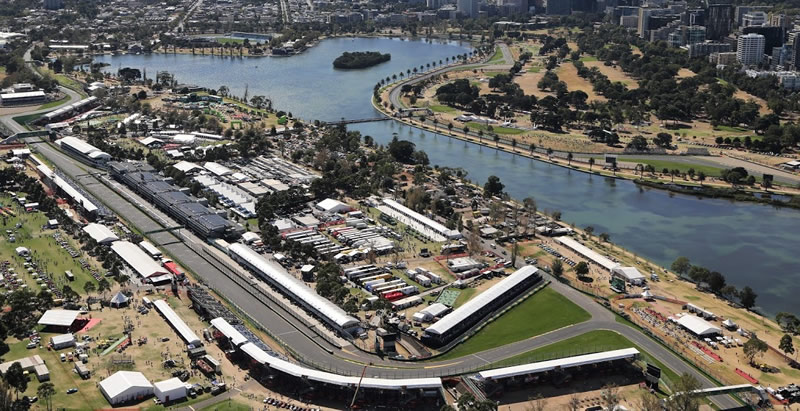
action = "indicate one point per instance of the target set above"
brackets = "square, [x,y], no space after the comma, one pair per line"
[614,73]
[569,74]
[528,82]
[683,72]
[762,105]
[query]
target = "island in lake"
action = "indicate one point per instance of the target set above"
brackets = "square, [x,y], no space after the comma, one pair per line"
[360,59]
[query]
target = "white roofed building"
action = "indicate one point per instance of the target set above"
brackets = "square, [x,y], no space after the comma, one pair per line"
[332,206]
[296,289]
[58,318]
[426,226]
[100,233]
[170,390]
[217,169]
[142,263]
[476,309]
[177,323]
[698,326]
[630,274]
[126,386]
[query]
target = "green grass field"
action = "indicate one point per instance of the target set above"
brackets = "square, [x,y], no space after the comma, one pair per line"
[463,297]
[660,165]
[439,108]
[497,57]
[499,130]
[28,118]
[593,341]
[534,69]
[228,40]
[54,103]
[227,405]
[587,59]
[732,129]
[523,321]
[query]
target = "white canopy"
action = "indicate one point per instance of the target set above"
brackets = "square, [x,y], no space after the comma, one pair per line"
[698,326]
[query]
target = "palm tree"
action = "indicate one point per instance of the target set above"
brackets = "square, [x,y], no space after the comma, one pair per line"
[408,72]
[415,70]
[402,75]
[532,147]
[569,159]
[640,169]
[435,123]
[549,152]
[480,136]
[514,145]
[466,130]
[591,163]
[394,76]
[450,128]
[496,139]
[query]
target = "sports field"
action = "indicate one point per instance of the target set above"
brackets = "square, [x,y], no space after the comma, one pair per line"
[523,321]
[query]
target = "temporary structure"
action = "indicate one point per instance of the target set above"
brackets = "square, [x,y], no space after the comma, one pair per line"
[119,300]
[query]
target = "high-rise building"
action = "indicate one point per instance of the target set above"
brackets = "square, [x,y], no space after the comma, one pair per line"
[53,4]
[586,6]
[740,11]
[468,8]
[754,18]
[773,36]
[779,20]
[750,49]
[559,7]
[794,42]
[719,18]
[644,22]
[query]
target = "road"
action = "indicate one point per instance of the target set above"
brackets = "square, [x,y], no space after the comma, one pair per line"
[183,246]
[189,12]
[8,119]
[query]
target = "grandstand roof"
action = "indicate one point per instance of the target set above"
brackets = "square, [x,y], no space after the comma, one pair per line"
[474,305]
[229,331]
[296,287]
[175,320]
[142,263]
[542,366]
[431,224]
[299,371]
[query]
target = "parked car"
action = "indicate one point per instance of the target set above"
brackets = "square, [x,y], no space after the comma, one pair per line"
[72,391]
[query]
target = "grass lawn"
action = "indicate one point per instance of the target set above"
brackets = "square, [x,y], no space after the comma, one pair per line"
[683,167]
[463,297]
[29,118]
[439,108]
[228,40]
[54,103]
[227,405]
[523,321]
[534,69]
[732,129]
[499,130]
[497,57]
[593,341]
[588,58]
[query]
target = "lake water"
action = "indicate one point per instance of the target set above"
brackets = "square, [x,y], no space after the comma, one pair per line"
[751,244]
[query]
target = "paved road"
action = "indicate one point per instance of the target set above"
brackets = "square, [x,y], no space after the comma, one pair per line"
[350,360]
[15,127]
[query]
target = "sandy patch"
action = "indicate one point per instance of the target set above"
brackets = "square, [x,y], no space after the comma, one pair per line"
[569,74]
[528,82]
[614,73]
[762,105]
[684,73]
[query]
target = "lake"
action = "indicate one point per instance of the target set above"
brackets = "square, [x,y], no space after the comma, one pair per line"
[752,244]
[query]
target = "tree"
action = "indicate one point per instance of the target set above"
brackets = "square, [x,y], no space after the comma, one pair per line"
[589,230]
[610,396]
[747,297]
[638,143]
[582,269]
[701,176]
[538,403]
[591,163]
[89,287]
[699,274]
[569,159]
[663,140]
[681,400]
[558,268]
[786,344]
[574,403]
[788,322]
[16,378]
[649,402]
[754,347]
[604,237]
[46,391]
[681,266]
[716,281]
[493,187]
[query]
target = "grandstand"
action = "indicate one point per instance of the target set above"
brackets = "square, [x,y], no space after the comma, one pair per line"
[294,289]
[83,151]
[184,208]
[476,309]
